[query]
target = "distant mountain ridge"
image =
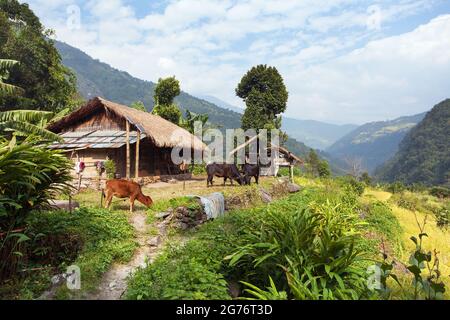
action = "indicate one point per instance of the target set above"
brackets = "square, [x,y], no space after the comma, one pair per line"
[316,134]
[374,143]
[424,154]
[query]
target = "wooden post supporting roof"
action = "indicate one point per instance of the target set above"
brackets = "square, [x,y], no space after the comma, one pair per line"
[128,164]
[138,142]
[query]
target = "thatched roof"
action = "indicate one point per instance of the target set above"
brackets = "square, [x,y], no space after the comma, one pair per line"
[161,132]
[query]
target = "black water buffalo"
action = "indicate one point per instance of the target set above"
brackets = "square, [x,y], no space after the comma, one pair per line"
[249,171]
[225,171]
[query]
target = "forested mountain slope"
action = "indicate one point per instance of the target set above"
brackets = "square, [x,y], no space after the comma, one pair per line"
[424,154]
[374,143]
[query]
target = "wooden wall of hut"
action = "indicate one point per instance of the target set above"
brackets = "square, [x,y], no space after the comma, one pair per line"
[154,161]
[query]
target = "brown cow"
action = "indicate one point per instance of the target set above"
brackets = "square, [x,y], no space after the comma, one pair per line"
[126,189]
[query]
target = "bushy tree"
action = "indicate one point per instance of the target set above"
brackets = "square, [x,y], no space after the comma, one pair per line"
[165,92]
[171,113]
[365,178]
[323,169]
[47,84]
[312,162]
[265,96]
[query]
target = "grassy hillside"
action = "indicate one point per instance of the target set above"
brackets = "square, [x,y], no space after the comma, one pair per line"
[424,154]
[374,143]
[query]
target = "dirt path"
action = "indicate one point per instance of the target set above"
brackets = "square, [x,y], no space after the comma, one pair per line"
[114,282]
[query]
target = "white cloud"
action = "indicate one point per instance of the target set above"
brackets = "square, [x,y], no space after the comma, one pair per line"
[210,44]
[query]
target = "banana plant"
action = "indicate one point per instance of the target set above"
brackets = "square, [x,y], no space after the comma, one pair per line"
[29,123]
[5,66]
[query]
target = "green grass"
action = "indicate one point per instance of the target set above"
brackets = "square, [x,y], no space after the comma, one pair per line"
[182,271]
[92,239]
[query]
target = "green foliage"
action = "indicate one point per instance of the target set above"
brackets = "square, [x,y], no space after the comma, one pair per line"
[271,293]
[380,219]
[181,273]
[190,203]
[443,216]
[90,238]
[191,119]
[416,202]
[110,168]
[424,267]
[424,155]
[351,184]
[198,169]
[27,123]
[366,179]
[170,112]
[440,192]
[265,95]
[324,169]
[166,90]
[317,167]
[306,244]
[138,105]
[30,175]
[284,172]
[5,67]
[47,84]
[396,187]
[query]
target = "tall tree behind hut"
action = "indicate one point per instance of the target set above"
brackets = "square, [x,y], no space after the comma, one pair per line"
[265,96]
[165,92]
[47,84]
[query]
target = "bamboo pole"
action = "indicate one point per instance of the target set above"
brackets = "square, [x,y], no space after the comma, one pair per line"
[128,164]
[138,142]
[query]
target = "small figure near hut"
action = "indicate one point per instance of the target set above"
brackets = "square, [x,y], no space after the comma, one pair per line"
[126,189]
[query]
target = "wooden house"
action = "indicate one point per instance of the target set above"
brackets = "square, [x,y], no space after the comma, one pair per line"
[138,142]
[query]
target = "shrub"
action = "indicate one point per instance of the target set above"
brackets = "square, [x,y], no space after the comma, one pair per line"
[351,184]
[284,172]
[198,169]
[90,238]
[181,273]
[308,250]
[110,168]
[380,219]
[396,187]
[440,192]
[30,175]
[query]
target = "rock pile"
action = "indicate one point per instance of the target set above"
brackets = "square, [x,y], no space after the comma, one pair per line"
[184,218]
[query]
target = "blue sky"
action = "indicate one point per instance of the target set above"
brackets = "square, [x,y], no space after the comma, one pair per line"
[343,61]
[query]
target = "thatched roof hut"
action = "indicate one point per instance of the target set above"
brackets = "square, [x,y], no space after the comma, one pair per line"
[162,133]
[103,129]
